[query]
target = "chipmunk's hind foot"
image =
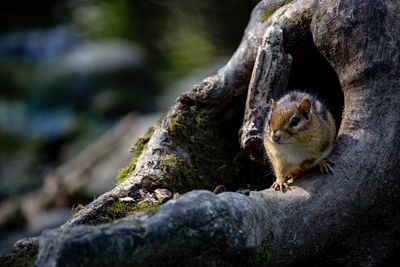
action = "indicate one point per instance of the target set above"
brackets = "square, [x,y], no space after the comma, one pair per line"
[326,166]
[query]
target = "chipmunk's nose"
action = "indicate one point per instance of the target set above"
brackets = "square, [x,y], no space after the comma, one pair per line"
[276,137]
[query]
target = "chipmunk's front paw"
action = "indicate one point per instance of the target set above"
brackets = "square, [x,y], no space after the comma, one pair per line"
[325,166]
[280,185]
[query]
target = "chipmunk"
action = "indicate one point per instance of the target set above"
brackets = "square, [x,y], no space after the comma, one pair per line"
[299,135]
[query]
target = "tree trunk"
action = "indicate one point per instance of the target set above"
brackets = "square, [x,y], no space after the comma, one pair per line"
[345,52]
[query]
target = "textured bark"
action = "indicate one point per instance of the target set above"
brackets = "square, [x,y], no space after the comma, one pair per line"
[270,74]
[340,50]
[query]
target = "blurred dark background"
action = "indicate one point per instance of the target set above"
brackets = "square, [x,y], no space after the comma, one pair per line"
[70,70]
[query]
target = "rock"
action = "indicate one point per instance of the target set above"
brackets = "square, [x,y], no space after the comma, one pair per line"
[162,194]
[126,199]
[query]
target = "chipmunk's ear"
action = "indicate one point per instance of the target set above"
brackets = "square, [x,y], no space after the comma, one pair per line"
[272,104]
[305,106]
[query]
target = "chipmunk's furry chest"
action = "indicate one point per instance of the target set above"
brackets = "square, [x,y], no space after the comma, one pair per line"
[293,155]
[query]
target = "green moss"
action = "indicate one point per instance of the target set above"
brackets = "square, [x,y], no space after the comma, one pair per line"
[136,150]
[182,172]
[208,135]
[190,130]
[147,206]
[144,205]
[121,209]
[111,19]
[178,127]
[189,50]
[272,8]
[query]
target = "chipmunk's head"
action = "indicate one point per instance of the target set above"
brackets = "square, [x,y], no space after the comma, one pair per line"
[287,121]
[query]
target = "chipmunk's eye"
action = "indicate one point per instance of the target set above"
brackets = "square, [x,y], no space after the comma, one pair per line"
[294,121]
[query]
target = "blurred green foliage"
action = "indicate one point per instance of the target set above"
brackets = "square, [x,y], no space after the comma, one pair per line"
[105,19]
[185,51]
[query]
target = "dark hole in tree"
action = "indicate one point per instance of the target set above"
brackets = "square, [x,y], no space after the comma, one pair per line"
[311,73]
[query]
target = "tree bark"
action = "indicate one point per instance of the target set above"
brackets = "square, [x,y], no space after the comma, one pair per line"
[340,51]
[270,74]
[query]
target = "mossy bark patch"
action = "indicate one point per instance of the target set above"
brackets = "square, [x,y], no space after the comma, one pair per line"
[208,137]
[136,150]
[183,173]
[122,209]
[272,8]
